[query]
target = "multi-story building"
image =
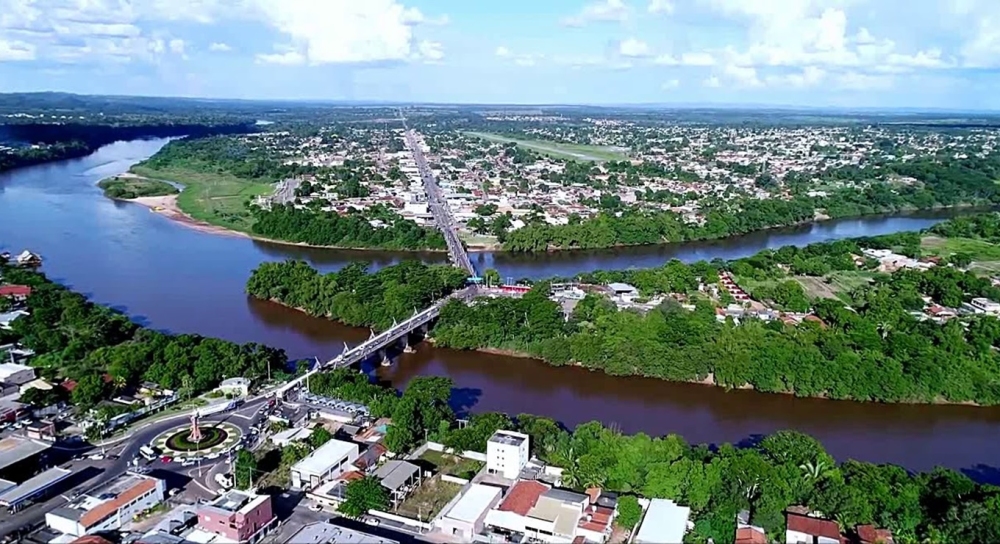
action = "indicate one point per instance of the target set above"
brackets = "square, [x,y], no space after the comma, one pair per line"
[326,463]
[108,507]
[507,453]
[237,517]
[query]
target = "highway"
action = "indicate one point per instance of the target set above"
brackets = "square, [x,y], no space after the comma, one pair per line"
[439,206]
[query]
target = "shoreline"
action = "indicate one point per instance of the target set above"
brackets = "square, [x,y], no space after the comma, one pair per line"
[708,381]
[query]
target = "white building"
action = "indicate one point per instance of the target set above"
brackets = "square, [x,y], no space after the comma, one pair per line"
[507,453]
[981,305]
[467,517]
[235,386]
[326,463]
[108,507]
[664,521]
[15,374]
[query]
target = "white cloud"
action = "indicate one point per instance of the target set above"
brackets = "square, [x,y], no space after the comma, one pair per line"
[742,76]
[285,56]
[431,52]
[600,11]
[856,81]
[16,51]
[177,46]
[502,52]
[982,50]
[697,59]
[670,85]
[665,7]
[712,82]
[220,47]
[633,48]
[810,76]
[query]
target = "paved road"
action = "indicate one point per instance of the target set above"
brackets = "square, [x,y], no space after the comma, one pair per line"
[126,450]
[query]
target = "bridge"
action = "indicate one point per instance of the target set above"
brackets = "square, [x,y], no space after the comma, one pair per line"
[379,344]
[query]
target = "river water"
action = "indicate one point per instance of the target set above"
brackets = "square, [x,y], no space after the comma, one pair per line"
[172,278]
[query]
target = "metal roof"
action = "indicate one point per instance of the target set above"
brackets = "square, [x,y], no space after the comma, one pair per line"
[395,473]
[325,457]
[14,449]
[33,486]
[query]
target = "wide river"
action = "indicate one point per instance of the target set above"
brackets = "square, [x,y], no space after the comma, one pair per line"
[172,278]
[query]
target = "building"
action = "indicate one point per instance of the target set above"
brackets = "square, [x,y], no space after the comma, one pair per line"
[18,293]
[981,305]
[20,457]
[15,374]
[399,477]
[507,453]
[108,507]
[551,515]
[286,437]
[40,485]
[869,534]
[664,521]
[9,317]
[467,517]
[236,517]
[623,291]
[239,387]
[747,533]
[802,529]
[327,533]
[326,463]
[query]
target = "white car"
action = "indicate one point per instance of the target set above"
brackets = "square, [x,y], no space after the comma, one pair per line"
[372,521]
[187,463]
[96,457]
[316,507]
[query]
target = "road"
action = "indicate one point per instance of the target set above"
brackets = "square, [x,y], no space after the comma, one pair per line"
[439,206]
[126,450]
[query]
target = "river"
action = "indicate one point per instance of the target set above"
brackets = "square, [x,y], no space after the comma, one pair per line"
[172,278]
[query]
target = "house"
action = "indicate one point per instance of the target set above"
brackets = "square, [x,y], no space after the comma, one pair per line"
[324,464]
[16,374]
[746,533]
[27,258]
[803,529]
[236,516]
[664,521]
[623,291]
[286,437]
[467,517]
[323,532]
[7,318]
[982,305]
[868,534]
[552,515]
[370,458]
[239,387]
[507,453]
[110,506]
[399,477]
[17,293]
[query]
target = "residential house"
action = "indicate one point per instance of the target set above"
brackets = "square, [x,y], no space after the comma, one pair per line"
[747,533]
[235,517]
[17,293]
[803,529]
[869,534]
[400,478]
[324,464]
[467,517]
[507,453]
[239,387]
[550,515]
[7,318]
[664,521]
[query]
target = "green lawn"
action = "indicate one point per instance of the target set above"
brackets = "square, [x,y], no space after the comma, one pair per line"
[452,464]
[218,199]
[558,149]
[979,250]
[428,499]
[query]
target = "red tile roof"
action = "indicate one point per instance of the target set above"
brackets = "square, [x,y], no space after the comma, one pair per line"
[749,535]
[352,475]
[813,526]
[870,535]
[104,509]
[14,291]
[522,497]
[600,518]
[91,539]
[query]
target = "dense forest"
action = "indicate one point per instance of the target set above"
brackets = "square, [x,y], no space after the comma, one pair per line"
[59,141]
[942,182]
[784,469]
[352,230]
[105,353]
[876,350]
[353,295]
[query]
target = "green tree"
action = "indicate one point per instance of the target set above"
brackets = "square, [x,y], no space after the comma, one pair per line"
[244,469]
[363,495]
[629,512]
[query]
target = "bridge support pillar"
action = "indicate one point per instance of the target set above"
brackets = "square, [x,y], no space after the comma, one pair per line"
[383,355]
[407,348]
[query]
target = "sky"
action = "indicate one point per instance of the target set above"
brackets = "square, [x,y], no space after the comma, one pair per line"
[820,53]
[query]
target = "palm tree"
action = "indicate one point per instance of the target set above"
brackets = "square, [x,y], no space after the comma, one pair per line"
[814,470]
[884,327]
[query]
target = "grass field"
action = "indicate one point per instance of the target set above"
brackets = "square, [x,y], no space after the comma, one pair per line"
[218,199]
[979,250]
[836,285]
[558,149]
[428,499]
[452,464]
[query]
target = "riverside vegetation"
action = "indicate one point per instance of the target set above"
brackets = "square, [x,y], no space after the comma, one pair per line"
[132,187]
[876,350]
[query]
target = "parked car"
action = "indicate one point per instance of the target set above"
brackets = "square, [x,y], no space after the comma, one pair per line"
[166,459]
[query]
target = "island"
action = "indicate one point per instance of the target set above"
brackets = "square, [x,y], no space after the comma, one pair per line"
[129,187]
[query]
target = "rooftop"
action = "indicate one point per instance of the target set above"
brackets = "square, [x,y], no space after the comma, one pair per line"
[325,456]
[9,369]
[394,474]
[474,502]
[114,495]
[813,526]
[522,497]
[664,521]
[324,533]
[33,485]
[509,438]
[232,501]
[14,449]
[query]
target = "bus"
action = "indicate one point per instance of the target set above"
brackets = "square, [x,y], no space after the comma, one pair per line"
[148,453]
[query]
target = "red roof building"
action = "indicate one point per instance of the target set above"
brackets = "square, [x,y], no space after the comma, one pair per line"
[523,497]
[15,291]
[750,535]
[868,534]
[817,530]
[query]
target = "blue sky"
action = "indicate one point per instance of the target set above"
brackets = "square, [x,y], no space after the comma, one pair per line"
[852,53]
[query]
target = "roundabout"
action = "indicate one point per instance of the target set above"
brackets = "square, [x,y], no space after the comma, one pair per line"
[200,440]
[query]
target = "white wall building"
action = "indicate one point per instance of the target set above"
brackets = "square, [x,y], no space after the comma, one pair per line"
[467,517]
[15,374]
[326,463]
[109,507]
[664,521]
[507,453]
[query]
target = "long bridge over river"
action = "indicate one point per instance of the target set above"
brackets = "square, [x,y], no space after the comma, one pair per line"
[399,334]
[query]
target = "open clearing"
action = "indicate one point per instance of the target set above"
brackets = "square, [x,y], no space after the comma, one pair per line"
[428,499]
[218,199]
[452,464]
[979,250]
[558,149]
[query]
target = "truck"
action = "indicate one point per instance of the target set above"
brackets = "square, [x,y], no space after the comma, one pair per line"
[149,453]
[224,480]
